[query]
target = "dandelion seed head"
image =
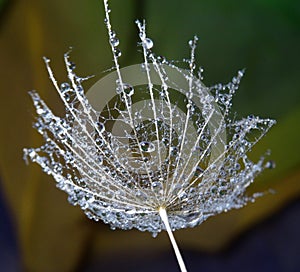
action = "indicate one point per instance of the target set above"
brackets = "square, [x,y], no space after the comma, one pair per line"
[157,138]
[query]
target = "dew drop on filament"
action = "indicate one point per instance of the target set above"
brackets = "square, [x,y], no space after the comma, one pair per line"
[147,146]
[148,43]
[65,87]
[114,41]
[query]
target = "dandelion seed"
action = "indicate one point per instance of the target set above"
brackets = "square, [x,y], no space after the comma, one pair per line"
[160,154]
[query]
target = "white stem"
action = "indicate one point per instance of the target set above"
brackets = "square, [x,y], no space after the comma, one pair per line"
[164,218]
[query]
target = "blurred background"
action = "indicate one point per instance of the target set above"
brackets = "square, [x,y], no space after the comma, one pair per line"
[40,231]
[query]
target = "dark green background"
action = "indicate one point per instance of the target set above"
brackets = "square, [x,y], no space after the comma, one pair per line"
[261,36]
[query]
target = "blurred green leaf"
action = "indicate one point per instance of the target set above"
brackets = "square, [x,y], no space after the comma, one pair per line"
[283,141]
[2,2]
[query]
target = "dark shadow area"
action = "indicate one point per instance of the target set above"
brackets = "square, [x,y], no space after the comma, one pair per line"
[9,252]
[273,246]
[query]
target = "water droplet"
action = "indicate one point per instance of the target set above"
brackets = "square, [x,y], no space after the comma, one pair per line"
[222,182]
[251,117]
[31,154]
[147,146]
[142,34]
[40,111]
[100,160]
[142,195]
[65,87]
[176,189]
[46,60]
[109,194]
[189,96]
[145,67]
[174,150]
[72,65]
[114,41]
[237,166]
[241,73]
[233,180]
[270,164]
[113,34]
[190,107]
[148,43]
[72,199]
[100,126]
[214,189]
[222,172]
[99,141]
[165,140]
[192,65]
[222,191]
[154,234]
[161,59]
[128,89]
[117,52]
[198,171]
[157,187]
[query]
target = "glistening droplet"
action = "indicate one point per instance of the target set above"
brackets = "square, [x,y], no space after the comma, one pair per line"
[270,164]
[114,41]
[65,87]
[127,88]
[148,43]
[117,52]
[147,146]
[157,186]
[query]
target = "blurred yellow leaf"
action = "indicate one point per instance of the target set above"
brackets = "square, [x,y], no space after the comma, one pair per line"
[53,235]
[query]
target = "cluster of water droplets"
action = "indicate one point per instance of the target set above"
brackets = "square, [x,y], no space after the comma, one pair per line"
[151,146]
